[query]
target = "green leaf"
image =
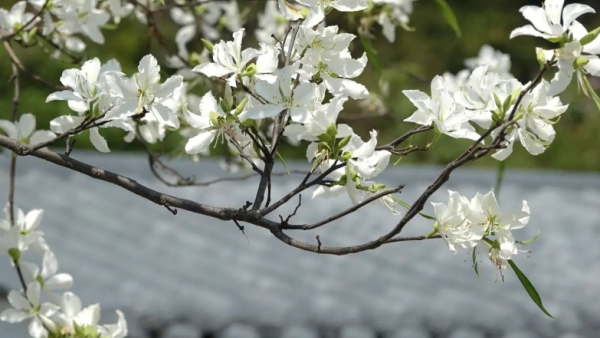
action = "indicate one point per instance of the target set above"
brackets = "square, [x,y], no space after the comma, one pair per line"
[499,177]
[531,240]
[529,288]
[591,92]
[408,206]
[282,162]
[370,50]
[449,16]
[475,263]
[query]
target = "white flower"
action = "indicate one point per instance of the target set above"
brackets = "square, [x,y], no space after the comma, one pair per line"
[48,278]
[289,11]
[318,7]
[229,59]
[82,16]
[71,312]
[534,128]
[118,330]
[323,117]
[144,95]
[83,86]
[477,95]
[30,307]
[279,97]
[210,124]
[440,110]
[23,233]
[270,23]
[398,14]
[546,20]
[13,20]
[24,130]
[567,56]
[457,222]
[496,61]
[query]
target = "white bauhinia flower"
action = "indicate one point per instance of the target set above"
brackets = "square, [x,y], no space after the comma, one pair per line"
[49,280]
[83,89]
[396,13]
[453,83]
[90,95]
[29,307]
[118,330]
[456,223]
[13,20]
[325,53]
[24,130]
[496,61]
[323,117]
[120,10]
[210,124]
[229,59]
[18,237]
[271,23]
[477,95]
[441,111]
[534,128]
[72,313]
[500,224]
[289,11]
[82,16]
[573,57]
[281,95]
[547,21]
[143,94]
[318,8]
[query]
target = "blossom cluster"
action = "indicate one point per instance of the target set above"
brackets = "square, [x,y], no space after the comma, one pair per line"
[471,224]
[52,312]
[293,85]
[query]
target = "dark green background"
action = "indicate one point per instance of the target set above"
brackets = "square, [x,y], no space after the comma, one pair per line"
[409,63]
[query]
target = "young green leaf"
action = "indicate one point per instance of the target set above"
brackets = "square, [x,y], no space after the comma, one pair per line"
[529,288]
[499,177]
[370,50]
[449,16]
[475,263]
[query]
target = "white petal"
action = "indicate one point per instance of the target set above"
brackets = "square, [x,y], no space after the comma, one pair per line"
[168,88]
[213,70]
[27,125]
[41,136]
[9,128]
[199,143]
[64,123]
[60,281]
[63,96]
[527,30]
[33,219]
[49,264]
[13,316]
[262,111]
[98,141]
[17,301]
[573,11]
[149,72]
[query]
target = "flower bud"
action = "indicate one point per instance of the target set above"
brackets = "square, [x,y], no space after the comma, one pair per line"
[344,142]
[240,107]
[332,131]
[208,45]
[580,62]
[589,37]
[15,254]
[250,71]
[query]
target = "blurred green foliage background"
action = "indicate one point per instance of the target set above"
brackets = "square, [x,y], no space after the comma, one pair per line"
[410,63]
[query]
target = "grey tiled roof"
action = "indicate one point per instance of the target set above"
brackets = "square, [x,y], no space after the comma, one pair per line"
[180,276]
